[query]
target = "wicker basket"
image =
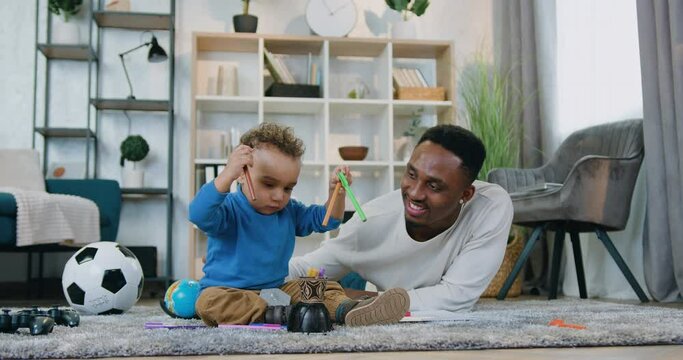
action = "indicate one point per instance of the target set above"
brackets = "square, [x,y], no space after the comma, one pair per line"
[512,252]
[421,93]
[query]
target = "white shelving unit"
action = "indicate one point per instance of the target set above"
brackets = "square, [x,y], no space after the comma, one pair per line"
[323,123]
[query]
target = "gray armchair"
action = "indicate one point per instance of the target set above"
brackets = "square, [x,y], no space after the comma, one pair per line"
[586,187]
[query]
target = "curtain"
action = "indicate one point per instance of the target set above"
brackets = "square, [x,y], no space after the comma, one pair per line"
[524,43]
[516,56]
[660,31]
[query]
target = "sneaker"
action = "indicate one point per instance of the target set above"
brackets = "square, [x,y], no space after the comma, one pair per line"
[387,308]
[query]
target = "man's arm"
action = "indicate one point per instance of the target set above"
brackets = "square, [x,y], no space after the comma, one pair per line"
[472,270]
[329,255]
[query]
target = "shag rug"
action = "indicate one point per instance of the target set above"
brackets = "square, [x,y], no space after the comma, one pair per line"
[491,325]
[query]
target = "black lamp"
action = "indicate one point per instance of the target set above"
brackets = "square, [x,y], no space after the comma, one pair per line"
[156,54]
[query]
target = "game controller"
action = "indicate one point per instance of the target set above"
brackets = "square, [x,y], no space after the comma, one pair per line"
[37,324]
[66,317]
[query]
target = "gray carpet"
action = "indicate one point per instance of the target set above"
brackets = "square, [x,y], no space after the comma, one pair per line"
[492,325]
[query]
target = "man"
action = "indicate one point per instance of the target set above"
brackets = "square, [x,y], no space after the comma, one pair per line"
[442,236]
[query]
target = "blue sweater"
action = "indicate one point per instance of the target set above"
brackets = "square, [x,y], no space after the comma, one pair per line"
[248,250]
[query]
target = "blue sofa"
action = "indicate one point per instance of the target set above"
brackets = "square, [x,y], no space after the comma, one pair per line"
[105,193]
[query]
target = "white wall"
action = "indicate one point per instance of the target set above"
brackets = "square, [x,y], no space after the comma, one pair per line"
[468,23]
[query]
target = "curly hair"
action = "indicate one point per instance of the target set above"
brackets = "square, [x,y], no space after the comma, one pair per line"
[280,136]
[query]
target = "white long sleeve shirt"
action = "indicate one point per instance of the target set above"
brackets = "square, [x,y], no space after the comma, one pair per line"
[447,272]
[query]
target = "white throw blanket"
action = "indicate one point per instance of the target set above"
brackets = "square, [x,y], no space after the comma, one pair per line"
[53,218]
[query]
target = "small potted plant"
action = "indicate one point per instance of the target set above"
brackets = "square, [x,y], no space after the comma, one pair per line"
[405,29]
[65,32]
[245,22]
[134,148]
[403,146]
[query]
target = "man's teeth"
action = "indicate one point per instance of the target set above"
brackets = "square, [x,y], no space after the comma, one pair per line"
[414,206]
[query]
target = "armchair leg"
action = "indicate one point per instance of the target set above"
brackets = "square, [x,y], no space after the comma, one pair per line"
[520,262]
[602,235]
[578,261]
[555,264]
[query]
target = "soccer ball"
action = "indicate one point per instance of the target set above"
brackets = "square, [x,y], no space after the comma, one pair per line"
[102,278]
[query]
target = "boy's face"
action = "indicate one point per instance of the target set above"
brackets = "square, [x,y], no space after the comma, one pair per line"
[274,175]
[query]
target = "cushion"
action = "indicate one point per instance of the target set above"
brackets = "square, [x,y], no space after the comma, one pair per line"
[21,169]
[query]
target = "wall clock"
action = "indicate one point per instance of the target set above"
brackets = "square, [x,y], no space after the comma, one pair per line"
[331,17]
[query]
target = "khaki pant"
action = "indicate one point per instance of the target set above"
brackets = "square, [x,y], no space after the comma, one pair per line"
[224,305]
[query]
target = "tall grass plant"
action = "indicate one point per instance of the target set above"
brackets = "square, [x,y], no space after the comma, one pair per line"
[491,112]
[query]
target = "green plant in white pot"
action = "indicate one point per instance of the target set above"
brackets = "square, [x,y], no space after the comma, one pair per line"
[134,148]
[65,31]
[406,29]
[404,145]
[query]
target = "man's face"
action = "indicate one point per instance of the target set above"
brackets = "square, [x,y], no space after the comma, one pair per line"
[432,187]
[274,175]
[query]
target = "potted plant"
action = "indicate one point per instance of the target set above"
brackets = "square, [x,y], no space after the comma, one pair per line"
[245,22]
[405,29]
[134,148]
[65,32]
[403,146]
[492,114]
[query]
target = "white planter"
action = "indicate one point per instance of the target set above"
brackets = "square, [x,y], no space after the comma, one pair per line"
[403,148]
[132,178]
[66,32]
[404,29]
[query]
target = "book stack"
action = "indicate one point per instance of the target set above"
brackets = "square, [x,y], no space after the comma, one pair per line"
[410,84]
[284,83]
[277,68]
[404,78]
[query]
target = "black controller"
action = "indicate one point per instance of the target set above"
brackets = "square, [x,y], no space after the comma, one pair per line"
[37,324]
[66,317]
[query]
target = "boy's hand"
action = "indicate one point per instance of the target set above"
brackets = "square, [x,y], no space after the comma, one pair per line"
[241,156]
[337,210]
[334,179]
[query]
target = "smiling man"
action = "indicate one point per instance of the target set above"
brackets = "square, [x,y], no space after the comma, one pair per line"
[442,236]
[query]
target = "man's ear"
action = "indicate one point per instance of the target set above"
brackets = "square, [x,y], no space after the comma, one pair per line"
[468,193]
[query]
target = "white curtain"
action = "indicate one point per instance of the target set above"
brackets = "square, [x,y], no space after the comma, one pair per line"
[599,82]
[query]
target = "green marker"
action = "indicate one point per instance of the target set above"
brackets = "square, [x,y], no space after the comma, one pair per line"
[345,184]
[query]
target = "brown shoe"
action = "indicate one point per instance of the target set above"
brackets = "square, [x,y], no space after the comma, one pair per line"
[387,308]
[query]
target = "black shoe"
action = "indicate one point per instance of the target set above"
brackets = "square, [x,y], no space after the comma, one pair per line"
[278,314]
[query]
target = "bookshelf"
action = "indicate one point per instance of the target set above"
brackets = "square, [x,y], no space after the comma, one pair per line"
[376,120]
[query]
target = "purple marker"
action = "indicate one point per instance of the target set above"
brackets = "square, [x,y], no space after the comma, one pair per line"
[160,325]
[270,327]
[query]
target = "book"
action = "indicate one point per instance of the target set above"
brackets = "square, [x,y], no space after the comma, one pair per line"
[270,65]
[421,77]
[313,76]
[210,172]
[287,75]
[309,64]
